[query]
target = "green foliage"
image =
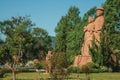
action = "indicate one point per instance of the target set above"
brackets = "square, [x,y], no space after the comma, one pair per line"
[29,63]
[2,73]
[43,64]
[109,37]
[25,69]
[92,65]
[38,66]
[96,68]
[58,64]
[96,54]
[23,40]
[112,23]
[104,69]
[59,60]
[68,33]
[73,69]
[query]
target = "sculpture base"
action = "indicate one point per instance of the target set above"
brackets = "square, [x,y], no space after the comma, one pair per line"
[82,60]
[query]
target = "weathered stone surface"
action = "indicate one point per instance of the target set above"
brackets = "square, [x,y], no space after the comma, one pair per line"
[93,29]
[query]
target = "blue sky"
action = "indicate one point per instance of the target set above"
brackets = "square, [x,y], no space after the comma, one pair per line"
[44,13]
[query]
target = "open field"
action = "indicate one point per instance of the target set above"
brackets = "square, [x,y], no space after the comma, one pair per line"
[93,76]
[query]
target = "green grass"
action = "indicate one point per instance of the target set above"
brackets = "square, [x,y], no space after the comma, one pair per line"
[93,76]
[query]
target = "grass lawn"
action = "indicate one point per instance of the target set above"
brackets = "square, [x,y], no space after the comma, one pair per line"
[93,76]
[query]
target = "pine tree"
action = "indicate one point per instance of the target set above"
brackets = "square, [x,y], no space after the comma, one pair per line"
[67,33]
[65,27]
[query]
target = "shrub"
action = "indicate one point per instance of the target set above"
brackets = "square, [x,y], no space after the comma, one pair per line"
[2,73]
[26,69]
[85,68]
[6,70]
[103,69]
[73,69]
[43,64]
[58,65]
[30,63]
[38,66]
[23,69]
[92,65]
[93,68]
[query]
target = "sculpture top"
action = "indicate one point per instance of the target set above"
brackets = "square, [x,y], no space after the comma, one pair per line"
[100,11]
[100,8]
[89,26]
[99,21]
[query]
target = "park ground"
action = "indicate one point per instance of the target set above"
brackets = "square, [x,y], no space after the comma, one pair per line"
[80,76]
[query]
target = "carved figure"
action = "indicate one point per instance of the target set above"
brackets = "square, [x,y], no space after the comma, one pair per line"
[92,31]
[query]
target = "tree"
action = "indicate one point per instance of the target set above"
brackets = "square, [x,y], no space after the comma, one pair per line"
[61,33]
[73,34]
[22,42]
[67,39]
[112,24]
[42,42]
[14,30]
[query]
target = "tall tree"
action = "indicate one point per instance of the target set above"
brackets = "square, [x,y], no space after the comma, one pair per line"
[112,20]
[14,31]
[112,24]
[61,33]
[22,41]
[42,42]
[67,39]
[74,32]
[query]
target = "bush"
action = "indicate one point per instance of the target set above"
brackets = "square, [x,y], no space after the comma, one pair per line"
[30,63]
[92,65]
[94,68]
[73,69]
[43,64]
[6,70]
[38,66]
[104,69]
[58,65]
[85,68]
[2,73]
[26,69]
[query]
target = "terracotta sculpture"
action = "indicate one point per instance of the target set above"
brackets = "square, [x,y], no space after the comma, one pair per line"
[92,31]
[48,62]
[85,56]
[99,22]
[88,36]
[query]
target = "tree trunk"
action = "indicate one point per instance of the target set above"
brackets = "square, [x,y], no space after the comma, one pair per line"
[14,75]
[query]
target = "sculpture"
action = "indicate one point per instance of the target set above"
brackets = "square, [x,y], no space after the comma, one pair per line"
[99,22]
[88,36]
[92,31]
[48,62]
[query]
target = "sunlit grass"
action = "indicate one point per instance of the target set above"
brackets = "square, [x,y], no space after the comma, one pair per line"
[93,76]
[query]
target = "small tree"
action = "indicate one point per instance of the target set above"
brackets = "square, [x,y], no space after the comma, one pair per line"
[13,49]
[58,66]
